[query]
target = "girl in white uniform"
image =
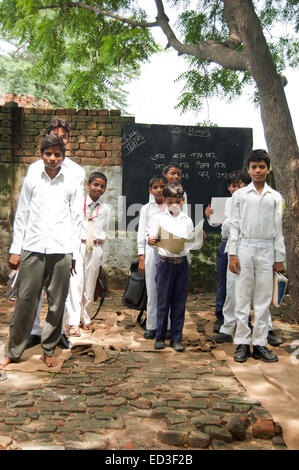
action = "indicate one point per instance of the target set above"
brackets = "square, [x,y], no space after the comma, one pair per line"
[93,234]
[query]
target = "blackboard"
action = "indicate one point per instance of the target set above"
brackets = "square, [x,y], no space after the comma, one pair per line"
[206,155]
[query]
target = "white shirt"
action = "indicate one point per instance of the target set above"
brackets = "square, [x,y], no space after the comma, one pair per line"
[258,217]
[148,211]
[77,171]
[49,214]
[101,214]
[182,224]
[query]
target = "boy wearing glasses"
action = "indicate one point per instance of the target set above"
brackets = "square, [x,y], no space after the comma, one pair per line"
[46,238]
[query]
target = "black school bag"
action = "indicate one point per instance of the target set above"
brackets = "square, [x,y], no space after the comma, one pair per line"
[135,295]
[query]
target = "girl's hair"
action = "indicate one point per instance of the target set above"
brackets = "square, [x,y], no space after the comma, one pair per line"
[157,178]
[95,175]
[166,168]
[52,141]
[173,190]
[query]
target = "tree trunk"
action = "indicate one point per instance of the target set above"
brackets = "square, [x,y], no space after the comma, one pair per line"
[279,134]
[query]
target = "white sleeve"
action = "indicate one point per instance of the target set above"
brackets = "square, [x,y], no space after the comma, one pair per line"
[21,217]
[234,233]
[279,246]
[141,235]
[154,226]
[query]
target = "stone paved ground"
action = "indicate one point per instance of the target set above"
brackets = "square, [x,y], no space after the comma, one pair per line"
[134,400]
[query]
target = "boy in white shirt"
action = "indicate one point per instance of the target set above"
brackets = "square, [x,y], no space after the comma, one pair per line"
[96,216]
[148,255]
[45,245]
[256,249]
[172,268]
[62,129]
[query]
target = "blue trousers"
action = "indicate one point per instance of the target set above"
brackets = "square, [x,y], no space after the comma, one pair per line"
[221,263]
[172,290]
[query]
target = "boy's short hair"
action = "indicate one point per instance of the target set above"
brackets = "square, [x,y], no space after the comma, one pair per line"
[52,140]
[97,174]
[157,178]
[166,168]
[245,177]
[233,177]
[258,155]
[56,122]
[173,190]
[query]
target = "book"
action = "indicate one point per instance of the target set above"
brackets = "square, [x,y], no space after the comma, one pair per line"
[280,283]
[176,239]
[218,206]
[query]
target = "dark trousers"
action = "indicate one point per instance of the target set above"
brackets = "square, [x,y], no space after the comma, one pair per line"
[37,270]
[221,263]
[172,290]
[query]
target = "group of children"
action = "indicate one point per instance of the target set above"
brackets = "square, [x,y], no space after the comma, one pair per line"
[252,249]
[58,241]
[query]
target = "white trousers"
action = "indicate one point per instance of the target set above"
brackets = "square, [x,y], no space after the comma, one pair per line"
[37,329]
[255,282]
[151,259]
[79,301]
[228,310]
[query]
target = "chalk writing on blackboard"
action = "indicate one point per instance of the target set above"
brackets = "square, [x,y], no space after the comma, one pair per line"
[221,175]
[191,131]
[198,155]
[219,165]
[132,141]
[158,156]
[204,174]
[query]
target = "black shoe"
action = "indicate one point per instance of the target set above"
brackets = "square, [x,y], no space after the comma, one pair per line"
[273,339]
[150,334]
[261,352]
[222,338]
[242,353]
[33,340]
[177,346]
[217,325]
[64,342]
[168,334]
[159,344]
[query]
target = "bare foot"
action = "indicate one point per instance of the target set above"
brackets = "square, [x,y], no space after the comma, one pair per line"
[50,361]
[5,362]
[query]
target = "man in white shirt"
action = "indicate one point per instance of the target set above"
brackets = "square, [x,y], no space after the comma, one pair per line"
[256,249]
[46,238]
[172,268]
[62,129]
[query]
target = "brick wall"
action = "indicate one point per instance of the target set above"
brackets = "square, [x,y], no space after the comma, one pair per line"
[95,137]
[25,101]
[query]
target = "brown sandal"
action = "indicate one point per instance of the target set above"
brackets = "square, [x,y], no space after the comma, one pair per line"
[74,330]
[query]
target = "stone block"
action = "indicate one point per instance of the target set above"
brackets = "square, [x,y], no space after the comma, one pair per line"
[173,438]
[263,429]
[198,439]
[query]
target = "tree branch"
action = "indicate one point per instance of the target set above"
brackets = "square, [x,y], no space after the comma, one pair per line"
[234,38]
[211,51]
[140,24]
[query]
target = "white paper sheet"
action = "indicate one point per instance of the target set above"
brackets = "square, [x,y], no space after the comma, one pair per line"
[218,206]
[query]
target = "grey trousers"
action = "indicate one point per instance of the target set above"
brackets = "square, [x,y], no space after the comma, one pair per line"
[38,270]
